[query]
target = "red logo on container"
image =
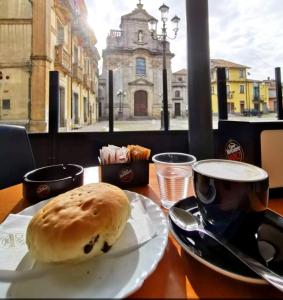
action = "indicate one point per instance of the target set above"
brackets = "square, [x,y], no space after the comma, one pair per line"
[43,191]
[126,175]
[234,151]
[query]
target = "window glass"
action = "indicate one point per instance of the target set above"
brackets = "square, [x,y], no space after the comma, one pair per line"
[136,58]
[60,33]
[177,94]
[6,104]
[140,66]
[85,40]
[227,73]
[241,42]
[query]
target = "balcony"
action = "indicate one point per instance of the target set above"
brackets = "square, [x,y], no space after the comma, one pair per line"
[62,59]
[87,81]
[115,33]
[258,99]
[77,72]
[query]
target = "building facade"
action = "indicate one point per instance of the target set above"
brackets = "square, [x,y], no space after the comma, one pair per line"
[179,94]
[272,101]
[37,37]
[243,94]
[136,60]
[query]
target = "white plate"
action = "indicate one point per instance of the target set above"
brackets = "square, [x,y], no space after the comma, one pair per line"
[100,277]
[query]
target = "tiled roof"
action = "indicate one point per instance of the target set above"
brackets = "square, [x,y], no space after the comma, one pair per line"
[181,72]
[214,63]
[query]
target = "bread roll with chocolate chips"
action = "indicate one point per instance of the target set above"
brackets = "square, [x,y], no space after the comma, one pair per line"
[78,224]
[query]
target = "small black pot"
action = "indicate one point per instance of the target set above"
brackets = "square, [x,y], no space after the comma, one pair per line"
[229,205]
[50,181]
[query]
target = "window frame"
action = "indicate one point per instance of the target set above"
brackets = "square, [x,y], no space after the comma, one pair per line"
[177,94]
[60,40]
[140,67]
[227,73]
[3,104]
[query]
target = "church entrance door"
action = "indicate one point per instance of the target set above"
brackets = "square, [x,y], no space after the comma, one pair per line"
[140,109]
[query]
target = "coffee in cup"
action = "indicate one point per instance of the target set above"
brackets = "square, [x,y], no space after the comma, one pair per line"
[229,194]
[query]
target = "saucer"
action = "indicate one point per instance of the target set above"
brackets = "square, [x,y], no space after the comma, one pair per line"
[269,239]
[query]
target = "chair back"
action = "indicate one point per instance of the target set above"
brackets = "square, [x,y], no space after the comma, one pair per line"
[16,157]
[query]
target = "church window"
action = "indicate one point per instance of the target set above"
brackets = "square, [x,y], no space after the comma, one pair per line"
[140,66]
[177,94]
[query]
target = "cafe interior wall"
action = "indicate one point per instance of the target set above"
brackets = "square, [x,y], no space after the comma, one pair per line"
[83,148]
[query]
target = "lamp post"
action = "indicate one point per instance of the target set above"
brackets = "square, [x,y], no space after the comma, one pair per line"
[120,95]
[162,37]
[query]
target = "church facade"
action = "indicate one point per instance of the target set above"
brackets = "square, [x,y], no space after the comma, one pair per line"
[137,62]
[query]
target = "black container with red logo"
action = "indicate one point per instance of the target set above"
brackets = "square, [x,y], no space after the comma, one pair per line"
[50,181]
[244,141]
[125,175]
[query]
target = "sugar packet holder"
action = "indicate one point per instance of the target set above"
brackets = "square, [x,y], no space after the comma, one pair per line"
[125,175]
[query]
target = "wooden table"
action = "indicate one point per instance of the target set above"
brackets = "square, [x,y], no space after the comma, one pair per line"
[178,275]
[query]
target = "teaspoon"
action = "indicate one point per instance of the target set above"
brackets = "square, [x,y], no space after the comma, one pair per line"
[188,222]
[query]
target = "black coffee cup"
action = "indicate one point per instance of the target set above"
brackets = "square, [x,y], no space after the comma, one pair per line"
[230,195]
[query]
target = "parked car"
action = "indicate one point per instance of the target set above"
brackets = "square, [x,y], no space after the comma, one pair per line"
[253,112]
[246,112]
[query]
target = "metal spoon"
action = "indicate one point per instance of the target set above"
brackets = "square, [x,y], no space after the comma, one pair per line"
[188,222]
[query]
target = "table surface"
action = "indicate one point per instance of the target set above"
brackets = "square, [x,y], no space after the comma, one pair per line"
[178,275]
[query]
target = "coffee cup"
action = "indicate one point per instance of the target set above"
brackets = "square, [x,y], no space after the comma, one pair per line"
[230,195]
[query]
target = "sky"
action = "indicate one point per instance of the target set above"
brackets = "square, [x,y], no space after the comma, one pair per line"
[247,32]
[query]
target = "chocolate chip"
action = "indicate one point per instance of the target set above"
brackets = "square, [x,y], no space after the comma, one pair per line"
[95,239]
[105,247]
[87,248]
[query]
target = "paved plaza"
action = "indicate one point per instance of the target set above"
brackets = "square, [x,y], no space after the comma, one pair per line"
[175,124]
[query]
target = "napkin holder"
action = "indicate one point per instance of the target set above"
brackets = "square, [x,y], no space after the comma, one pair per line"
[125,175]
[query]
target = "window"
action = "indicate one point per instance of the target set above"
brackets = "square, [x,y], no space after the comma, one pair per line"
[86,66]
[242,73]
[238,51]
[227,73]
[177,94]
[60,34]
[6,104]
[62,107]
[256,92]
[86,112]
[76,55]
[140,66]
[228,89]
[212,89]
[83,52]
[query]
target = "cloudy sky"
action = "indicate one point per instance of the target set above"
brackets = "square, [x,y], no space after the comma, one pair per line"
[243,31]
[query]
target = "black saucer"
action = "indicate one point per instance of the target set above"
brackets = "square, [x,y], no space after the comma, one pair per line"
[216,257]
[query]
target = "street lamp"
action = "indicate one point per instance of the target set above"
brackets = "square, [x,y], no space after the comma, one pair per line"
[152,25]
[120,95]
